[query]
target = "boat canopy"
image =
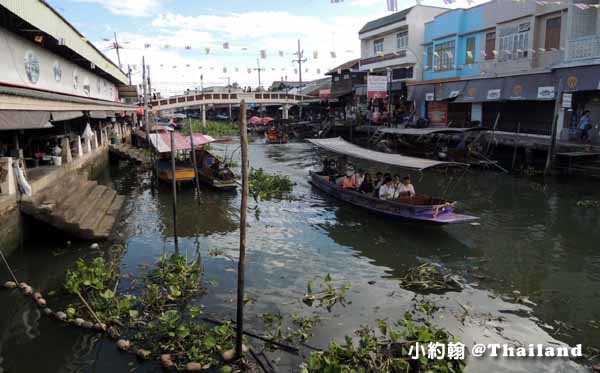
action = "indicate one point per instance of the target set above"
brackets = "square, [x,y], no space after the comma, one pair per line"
[161,141]
[428,131]
[341,146]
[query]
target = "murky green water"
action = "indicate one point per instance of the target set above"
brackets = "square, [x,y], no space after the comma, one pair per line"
[532,238]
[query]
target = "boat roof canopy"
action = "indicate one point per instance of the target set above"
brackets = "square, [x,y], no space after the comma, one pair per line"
[341,146]
[428,131]
[161,141]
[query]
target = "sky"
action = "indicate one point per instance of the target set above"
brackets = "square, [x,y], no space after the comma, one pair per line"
[173,36]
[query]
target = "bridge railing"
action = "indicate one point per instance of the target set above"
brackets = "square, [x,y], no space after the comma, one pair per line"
[211,98]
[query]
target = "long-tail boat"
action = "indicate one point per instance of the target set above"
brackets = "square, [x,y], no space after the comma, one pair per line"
[418,208]
[214,172]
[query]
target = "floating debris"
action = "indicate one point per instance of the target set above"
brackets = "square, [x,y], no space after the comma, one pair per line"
[10,285]
[588,203]
[428,277]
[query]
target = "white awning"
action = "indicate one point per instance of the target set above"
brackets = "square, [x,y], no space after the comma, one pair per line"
[58,116]
[338,145]
[22,120]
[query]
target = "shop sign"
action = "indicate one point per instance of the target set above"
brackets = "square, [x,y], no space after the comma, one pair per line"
[494,94]
[545,93]
[567,100]
[377,86]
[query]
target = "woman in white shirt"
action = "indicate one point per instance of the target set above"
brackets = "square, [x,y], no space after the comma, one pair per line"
[405,189]
[386,191]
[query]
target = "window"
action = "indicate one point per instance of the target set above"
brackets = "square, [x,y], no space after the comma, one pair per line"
[429,58]
[513,46]
[444,56]
[470,53]
[402,40]
[402,73]
[552,34]
[490,45]
[378,46]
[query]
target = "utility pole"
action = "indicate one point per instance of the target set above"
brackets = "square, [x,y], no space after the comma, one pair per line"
[117,48]
[203,105]
[300,54]
[259,70]
[129,73]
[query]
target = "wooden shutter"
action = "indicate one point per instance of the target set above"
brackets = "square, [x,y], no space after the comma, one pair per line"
[490,45]
[552,33]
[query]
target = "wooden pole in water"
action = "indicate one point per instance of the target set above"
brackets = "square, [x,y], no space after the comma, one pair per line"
[516,146]
[550,157]
[194,162]
[487,150]
[243,214]
[174,183]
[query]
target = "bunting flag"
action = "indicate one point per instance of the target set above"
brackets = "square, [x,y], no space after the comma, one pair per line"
[249,71]
[448,2]
[295,71]
[315,55]
[167,46]
[237,70]
[225,70]
[336,1]
[318,71]
[207,50]
[188,47]
[392,5]
[263,54]
[147,45]
[333,55]
[280,53]
[226,45]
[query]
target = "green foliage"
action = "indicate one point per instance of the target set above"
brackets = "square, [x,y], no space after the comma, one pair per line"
[266,187]
[328,295]
[428,278]
[277,332]
[89,277]
[213,128]
[386,349]
[175,276]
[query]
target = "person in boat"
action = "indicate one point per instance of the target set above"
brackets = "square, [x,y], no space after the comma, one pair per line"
[406,189]
[366,187]
[396,182]
[359,177]
[387,189]
[378,183]
[349,181]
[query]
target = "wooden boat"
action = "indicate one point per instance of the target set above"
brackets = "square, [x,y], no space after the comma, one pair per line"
[276,136]
[212,172]
[420,208]
[184,171]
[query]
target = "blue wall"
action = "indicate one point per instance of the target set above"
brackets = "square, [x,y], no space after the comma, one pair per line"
[455,22]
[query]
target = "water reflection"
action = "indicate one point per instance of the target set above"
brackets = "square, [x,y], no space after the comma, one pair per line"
[532,238]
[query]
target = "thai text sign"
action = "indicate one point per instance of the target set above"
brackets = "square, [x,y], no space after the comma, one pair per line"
[377,86]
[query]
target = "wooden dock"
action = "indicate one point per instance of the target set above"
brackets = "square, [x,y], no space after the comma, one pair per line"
[126,151]
[77,206]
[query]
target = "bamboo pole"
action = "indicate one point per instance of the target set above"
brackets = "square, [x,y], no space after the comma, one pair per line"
[194,162]
[487,150]
[516,145]
[12,274]
[174,184]
[243,215]
[90,310]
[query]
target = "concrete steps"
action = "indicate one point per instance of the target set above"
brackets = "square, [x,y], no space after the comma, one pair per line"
[77,206]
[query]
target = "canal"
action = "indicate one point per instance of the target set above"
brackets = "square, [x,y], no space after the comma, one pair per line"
[531,268]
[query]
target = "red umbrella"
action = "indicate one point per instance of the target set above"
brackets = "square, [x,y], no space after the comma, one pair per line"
[266,120]
[255,120]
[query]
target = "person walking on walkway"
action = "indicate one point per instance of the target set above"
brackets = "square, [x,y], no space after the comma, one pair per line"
[585,125]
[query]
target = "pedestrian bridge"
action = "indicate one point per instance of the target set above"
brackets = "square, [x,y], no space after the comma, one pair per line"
[258,98]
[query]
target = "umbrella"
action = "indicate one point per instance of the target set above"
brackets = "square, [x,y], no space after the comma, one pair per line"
[266,120]
[255,120]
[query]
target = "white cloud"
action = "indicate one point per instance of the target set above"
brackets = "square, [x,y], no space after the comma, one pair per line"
[131,8]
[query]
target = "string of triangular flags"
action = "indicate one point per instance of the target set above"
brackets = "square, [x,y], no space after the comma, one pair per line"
[392,5]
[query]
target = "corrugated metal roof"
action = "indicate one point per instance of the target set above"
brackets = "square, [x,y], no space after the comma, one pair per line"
[42,16]
[387,20]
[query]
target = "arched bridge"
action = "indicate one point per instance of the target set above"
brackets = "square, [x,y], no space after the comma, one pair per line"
[259,98]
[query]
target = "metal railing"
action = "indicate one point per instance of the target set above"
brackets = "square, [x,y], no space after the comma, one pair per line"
[586,47]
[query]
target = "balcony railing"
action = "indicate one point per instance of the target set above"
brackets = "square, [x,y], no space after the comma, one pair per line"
[586,47]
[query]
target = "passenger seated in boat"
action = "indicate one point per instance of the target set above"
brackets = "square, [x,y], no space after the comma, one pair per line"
[378,183]
[406,189]
[366,187]
[387,189]
[349,181]
[396,182]
[359,177]
[225,173]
